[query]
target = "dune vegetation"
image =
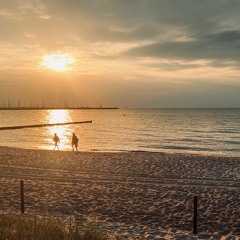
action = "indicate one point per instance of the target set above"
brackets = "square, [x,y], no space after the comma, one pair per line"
[33,228]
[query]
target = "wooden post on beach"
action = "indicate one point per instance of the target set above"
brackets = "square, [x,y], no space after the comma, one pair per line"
[195,215]
[22,195]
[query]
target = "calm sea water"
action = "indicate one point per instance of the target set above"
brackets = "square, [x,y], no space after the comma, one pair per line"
[204,131]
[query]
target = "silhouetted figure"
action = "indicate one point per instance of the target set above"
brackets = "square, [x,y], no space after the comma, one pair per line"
[74,142]
[56,141]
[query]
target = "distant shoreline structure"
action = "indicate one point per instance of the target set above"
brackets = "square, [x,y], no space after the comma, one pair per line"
[33,104]
[58,108]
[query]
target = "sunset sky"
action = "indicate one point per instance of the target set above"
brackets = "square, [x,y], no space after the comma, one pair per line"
[125,53]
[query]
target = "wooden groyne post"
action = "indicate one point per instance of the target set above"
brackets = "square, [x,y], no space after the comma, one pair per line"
[195,209]
[22,196]
[42,125]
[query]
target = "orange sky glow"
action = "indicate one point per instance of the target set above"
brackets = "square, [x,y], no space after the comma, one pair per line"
[138,54]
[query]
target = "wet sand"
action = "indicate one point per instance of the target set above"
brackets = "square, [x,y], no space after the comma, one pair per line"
[139,195]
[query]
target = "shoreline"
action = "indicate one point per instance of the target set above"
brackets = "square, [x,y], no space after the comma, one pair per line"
[190,153]
[142,195]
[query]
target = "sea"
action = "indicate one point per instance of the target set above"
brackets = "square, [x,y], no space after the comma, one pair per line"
[194,131]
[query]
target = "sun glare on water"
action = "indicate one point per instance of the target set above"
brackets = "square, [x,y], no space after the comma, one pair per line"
[64,132]
[58,62]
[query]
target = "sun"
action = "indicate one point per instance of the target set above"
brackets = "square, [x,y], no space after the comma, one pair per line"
[58,61]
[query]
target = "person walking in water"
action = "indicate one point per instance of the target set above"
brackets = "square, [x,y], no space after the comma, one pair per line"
[74,142]
[56,141]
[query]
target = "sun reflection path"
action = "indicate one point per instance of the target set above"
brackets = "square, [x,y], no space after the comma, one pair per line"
[57,116]
[64,132]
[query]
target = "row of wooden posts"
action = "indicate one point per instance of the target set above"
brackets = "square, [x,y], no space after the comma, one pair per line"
[195,206]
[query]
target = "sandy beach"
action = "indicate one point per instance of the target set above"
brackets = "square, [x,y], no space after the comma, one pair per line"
[138,195]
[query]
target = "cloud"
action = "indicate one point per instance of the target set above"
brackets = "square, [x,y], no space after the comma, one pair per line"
[115,21]
[222,46]
[154,49]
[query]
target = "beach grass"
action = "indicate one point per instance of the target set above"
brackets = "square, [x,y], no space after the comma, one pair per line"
[22,228]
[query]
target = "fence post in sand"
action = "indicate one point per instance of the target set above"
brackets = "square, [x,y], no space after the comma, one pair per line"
[195,215]
[22,195]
